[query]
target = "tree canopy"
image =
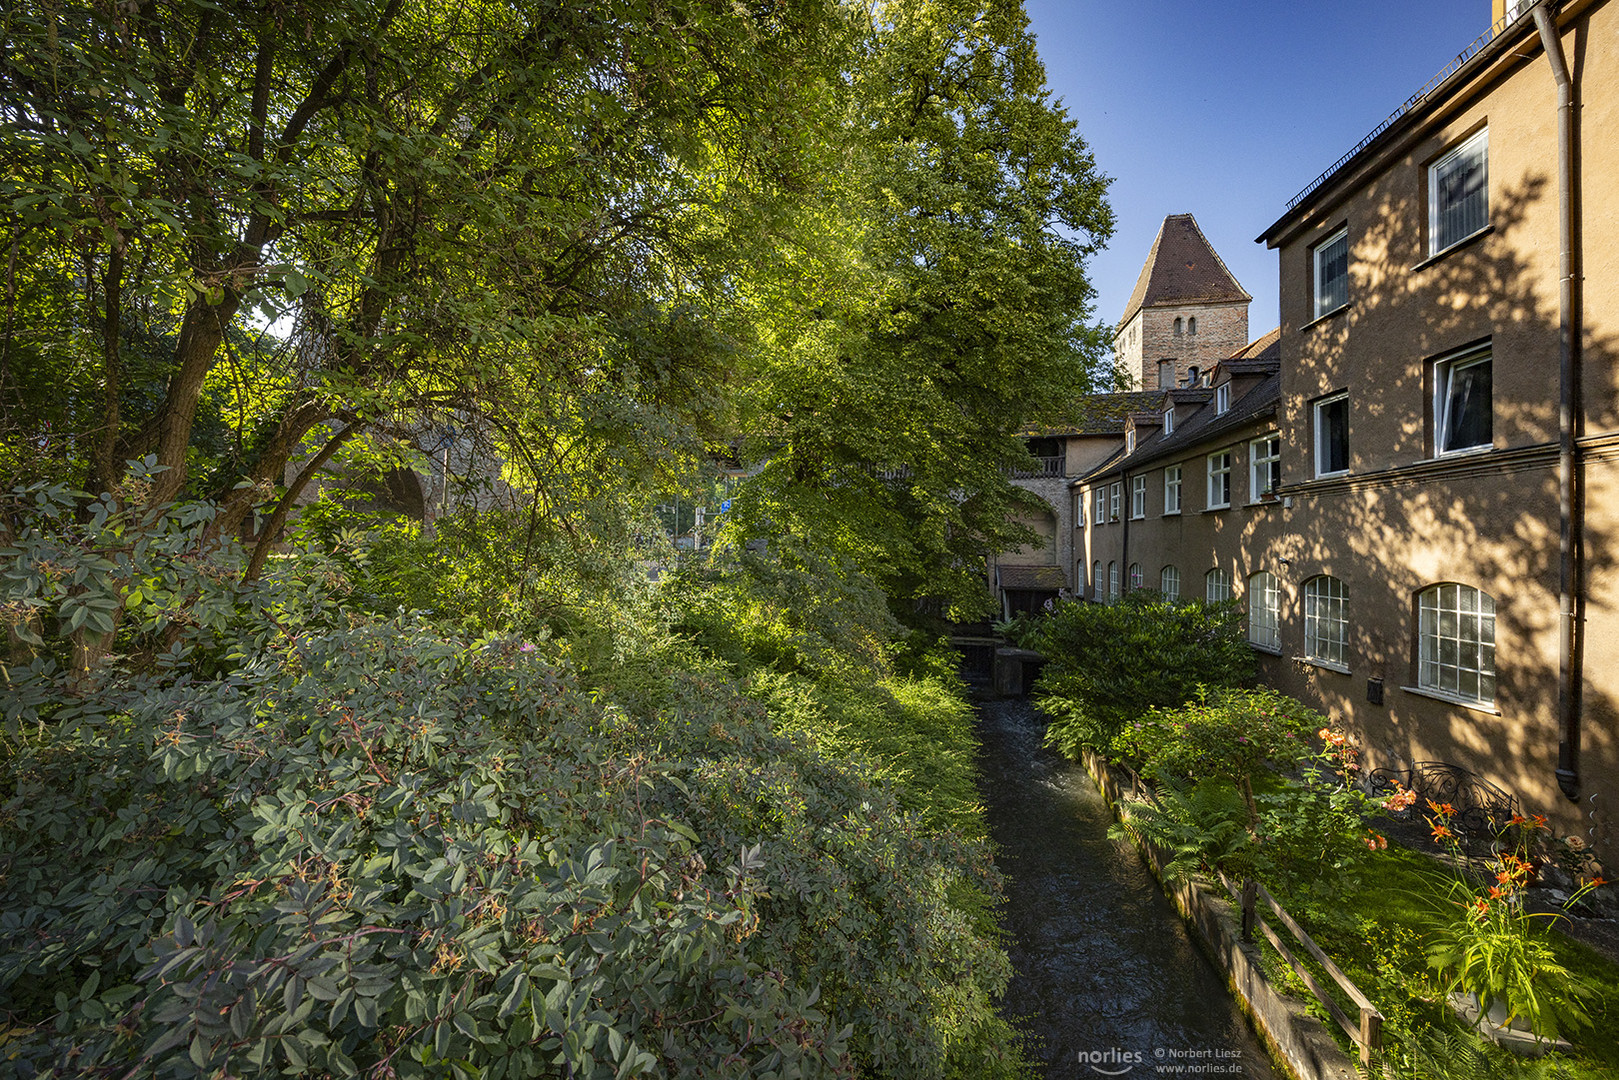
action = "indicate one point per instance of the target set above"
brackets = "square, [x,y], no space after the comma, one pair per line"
[844,243]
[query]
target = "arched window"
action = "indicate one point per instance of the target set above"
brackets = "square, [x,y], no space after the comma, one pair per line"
[1456,642]
[1326,620]
[1112,581]
[1191,325]
[1096,579]
[1216,586]
[1192,376]
[1136,578]
[1169,583]
[1264,610]
[1179,328]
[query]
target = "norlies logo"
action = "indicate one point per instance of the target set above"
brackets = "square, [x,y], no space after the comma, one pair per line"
[1126,1059]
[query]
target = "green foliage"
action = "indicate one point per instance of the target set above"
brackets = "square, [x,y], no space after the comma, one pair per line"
[1107,664]
[1231,734]
[1212,761]
[362,845]
[92,587]
[1203,828]
[380,846]
[1489,944]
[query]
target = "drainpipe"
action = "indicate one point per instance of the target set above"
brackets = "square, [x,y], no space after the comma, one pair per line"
[1570,676]
[1124,553]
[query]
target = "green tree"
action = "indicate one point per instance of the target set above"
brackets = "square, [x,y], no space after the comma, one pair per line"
[523,212]
[948,312]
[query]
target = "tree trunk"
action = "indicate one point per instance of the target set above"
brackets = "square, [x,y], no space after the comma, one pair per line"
[278,516]
[201,333]
[104,466]
[90,648]
[268,470]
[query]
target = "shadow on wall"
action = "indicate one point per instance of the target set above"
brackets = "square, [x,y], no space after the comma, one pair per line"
[1491,521]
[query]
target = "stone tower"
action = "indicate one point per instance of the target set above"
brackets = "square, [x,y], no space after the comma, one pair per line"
[1186,314]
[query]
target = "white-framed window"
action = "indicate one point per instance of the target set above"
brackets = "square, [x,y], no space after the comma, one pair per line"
[1096,579]
[1137,578]
[1112,581]
[1326,620]
[1332,272]
[1169,420]
[1138,496]
[1332,435]
[1216,586]
[1219,480]
[1115,495]
[1172,489]
[1101,506]
[1079,510]
[1222,399]
[1264,610]
[1264,465]
[1130,441]
[1459,193]
[1463,414]
[1456,642]
[1169,582]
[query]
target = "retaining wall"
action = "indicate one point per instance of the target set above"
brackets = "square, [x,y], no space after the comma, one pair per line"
[1299,1041]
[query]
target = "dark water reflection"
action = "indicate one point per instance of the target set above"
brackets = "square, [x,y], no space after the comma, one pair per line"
[1107,981]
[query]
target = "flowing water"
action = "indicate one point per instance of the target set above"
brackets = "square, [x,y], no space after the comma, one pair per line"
[1107,980]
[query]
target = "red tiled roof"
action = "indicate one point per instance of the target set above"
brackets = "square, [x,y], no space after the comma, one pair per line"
[1182,268]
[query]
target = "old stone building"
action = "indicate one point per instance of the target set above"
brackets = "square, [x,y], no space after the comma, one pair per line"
[1186,314]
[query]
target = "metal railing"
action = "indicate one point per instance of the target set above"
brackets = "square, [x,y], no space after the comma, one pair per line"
[1514,12]
[1045,466]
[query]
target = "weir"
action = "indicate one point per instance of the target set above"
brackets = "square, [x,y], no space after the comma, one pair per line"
[1107,981]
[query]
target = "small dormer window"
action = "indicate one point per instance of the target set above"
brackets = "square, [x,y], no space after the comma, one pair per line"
[1192,376]
[1222,398]
[1169,421]
[1130,440]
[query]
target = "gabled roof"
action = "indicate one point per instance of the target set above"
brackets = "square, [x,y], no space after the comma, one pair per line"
[1182,268]
[1270,343]
[1202,427]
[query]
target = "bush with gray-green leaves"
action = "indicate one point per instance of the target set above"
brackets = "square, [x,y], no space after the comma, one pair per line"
[379,851]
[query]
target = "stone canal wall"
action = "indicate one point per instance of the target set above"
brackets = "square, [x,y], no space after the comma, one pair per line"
[1298,1041]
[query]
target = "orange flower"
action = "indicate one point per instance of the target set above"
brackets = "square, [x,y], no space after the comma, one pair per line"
[1441,831]
[1598,881]
[1444,810]
[1401,800]
[1518,819]
[1481,905]
[1540,821]
[1495,893]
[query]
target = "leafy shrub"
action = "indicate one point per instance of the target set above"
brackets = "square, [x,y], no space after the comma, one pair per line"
[1226,734]
[381,848]
[1107,664]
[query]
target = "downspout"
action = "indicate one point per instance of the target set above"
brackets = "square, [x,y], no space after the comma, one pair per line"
[1124,554]
[1570,550]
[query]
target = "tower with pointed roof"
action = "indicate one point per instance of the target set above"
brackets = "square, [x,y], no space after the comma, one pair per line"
[1187,312]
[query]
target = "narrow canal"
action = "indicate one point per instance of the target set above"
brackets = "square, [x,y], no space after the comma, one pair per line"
[1107,980]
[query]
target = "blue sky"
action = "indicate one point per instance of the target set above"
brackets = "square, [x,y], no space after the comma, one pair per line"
[1227,110]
